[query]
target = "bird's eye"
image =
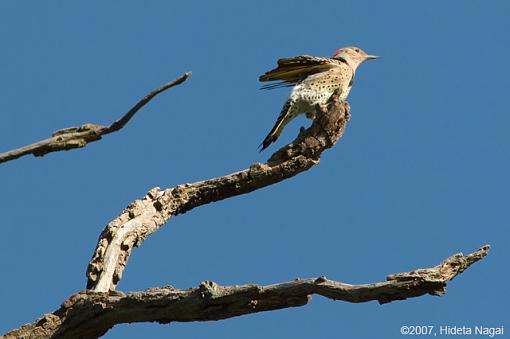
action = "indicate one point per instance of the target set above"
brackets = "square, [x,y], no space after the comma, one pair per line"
[357,50]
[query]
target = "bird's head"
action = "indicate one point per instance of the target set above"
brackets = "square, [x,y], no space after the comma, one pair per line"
[354,56]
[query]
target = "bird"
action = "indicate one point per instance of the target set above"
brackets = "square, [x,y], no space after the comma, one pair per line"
[314,79]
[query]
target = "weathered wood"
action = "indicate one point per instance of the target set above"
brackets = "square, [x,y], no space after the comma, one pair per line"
[91,314]
[145,216]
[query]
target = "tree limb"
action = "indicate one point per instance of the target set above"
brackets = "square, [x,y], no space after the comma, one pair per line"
[145,216]
[90,314]
[77,137]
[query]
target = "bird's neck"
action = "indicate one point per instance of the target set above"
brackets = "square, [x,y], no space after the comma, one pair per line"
[352,63]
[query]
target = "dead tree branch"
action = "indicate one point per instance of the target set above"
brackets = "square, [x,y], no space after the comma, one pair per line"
[145,216]
[90,314]
[77,137]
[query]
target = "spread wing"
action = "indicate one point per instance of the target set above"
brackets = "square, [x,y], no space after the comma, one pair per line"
[292,70]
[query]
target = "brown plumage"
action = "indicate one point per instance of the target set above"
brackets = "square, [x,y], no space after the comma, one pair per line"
[314,79]
[293,70]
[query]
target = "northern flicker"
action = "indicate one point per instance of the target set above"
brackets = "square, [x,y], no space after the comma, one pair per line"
[314,79]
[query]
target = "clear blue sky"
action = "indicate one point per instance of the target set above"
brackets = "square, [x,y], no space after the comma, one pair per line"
[421,173]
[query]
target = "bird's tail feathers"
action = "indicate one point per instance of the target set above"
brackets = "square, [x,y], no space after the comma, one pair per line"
[277,129]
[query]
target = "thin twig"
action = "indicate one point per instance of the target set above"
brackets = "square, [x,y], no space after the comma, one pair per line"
[77,137]
[124,120]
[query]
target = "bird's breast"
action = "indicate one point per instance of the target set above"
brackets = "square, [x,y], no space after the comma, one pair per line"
[317,88]
[315,93]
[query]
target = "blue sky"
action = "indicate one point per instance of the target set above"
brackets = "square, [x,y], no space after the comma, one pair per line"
[421,172]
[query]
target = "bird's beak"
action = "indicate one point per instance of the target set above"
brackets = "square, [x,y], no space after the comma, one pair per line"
[371,57]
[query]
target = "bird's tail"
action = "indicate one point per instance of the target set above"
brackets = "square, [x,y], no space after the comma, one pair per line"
[277,129]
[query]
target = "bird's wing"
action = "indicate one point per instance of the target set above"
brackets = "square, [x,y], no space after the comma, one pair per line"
[292,70]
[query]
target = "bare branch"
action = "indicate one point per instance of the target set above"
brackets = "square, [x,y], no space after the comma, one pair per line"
[77,137]
[145,216]
[124,120]
[91,314]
